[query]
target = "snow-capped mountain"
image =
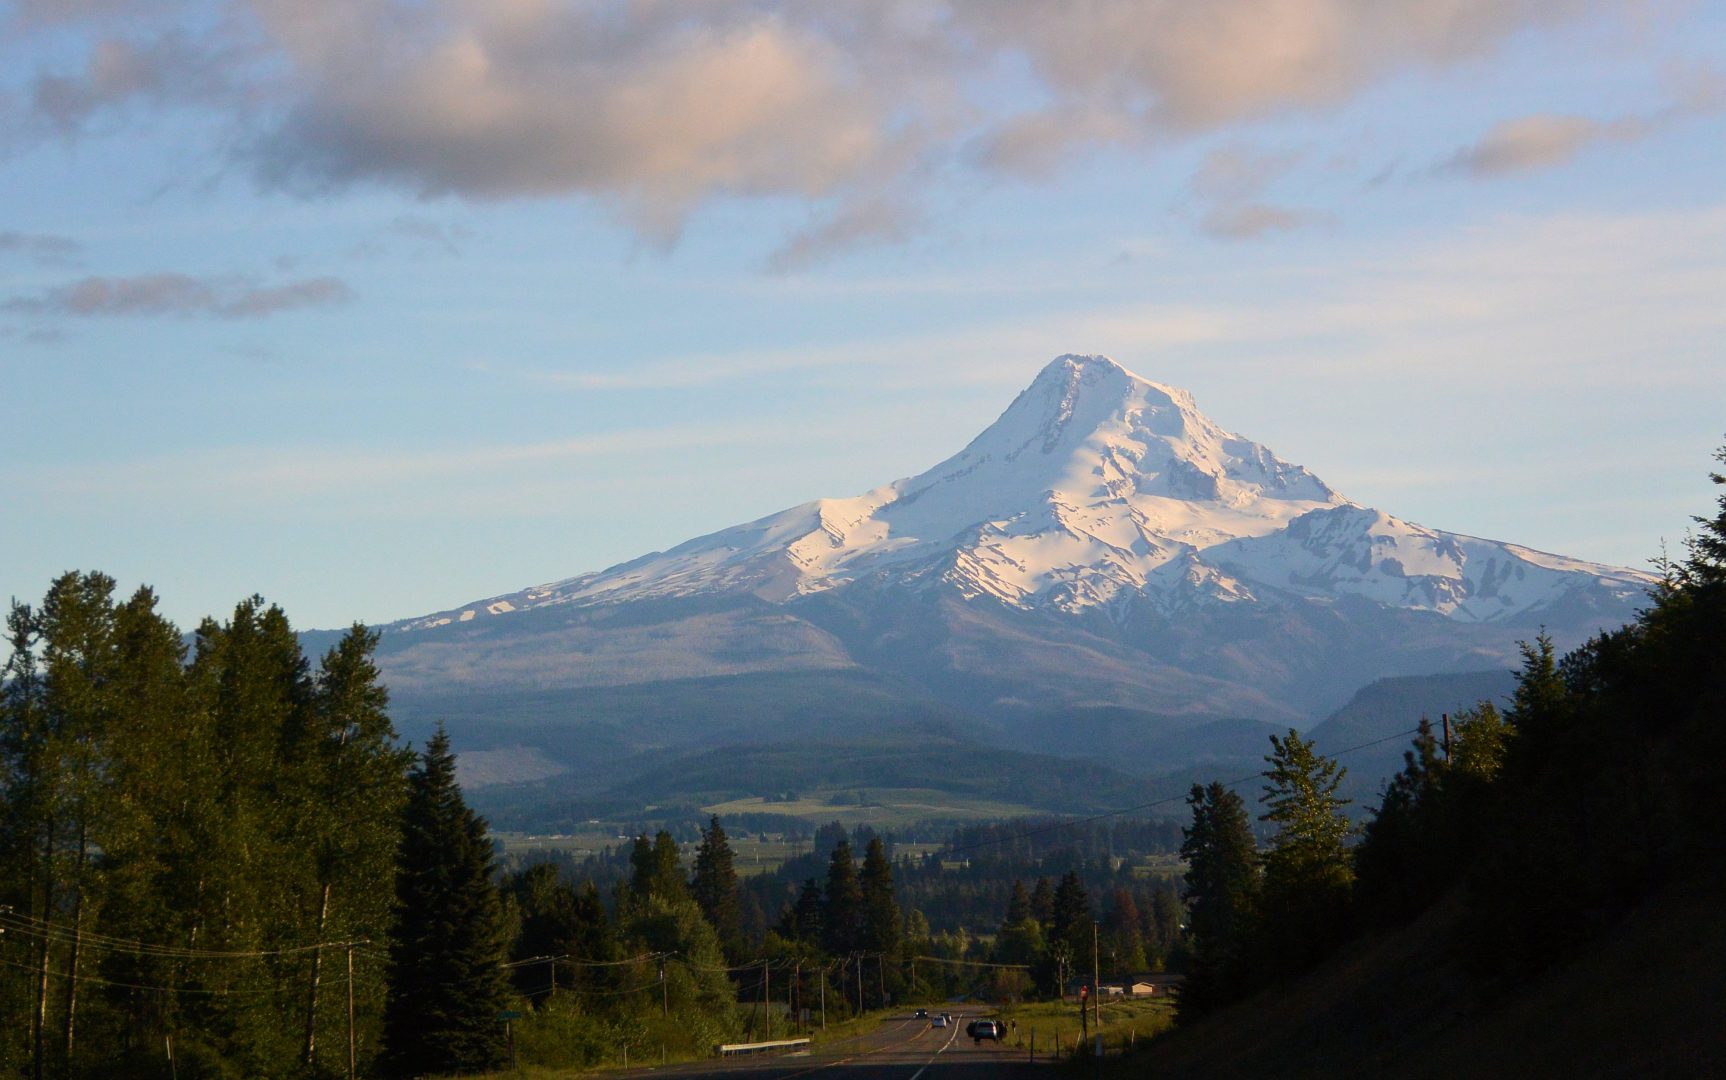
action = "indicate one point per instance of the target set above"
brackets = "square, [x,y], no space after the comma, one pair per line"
[1098,489]
[1102,559]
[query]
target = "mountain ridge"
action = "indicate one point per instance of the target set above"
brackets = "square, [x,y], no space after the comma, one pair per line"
[1101,545]
[1095,488]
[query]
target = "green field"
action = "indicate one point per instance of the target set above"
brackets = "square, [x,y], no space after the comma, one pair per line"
[883,807]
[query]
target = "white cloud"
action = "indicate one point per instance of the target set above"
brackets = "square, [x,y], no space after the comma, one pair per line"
[654,107]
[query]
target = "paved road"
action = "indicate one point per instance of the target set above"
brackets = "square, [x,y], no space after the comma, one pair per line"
[902,1048]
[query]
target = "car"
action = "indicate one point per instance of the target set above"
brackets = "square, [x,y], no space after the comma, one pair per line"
[921,1014]
[939,1021]
[986,1029]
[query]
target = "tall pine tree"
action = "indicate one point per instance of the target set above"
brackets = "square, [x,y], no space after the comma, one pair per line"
[1222,889]
[446,983]
[715,888]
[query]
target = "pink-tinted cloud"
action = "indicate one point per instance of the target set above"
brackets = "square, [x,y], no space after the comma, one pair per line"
[182,295]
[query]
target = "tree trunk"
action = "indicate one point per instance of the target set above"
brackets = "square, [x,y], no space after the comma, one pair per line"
[77,942]
[311,1052]
[39,1020]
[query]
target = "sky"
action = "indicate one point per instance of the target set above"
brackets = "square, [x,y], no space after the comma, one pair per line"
[375,308]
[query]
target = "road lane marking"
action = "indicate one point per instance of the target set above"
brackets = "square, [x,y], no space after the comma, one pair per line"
[937,1053]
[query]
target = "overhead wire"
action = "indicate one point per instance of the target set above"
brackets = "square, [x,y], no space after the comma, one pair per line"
[30,926]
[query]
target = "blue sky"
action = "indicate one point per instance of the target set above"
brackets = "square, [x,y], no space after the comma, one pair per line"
[376,308]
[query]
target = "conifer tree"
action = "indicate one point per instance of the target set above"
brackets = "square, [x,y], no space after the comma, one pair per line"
[1018,905]
[1162,924]
[345,781]
[656,868]
[1071,919]
[1123,944]
[1020,940]
[446,983]
[1222,894]
[715,887]
[880,923]
[842,912]
[806,914]
[1308,870]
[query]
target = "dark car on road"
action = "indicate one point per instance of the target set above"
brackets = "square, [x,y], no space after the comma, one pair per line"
[986,1029]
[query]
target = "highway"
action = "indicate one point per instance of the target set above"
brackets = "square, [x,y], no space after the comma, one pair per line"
[902,1048]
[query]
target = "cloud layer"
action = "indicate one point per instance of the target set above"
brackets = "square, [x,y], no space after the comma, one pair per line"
[654,107]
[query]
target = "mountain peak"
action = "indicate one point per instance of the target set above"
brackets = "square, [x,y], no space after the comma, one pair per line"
[1095,488]
[1077,369]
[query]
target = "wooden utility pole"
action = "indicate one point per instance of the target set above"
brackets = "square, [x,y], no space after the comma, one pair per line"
[859,984]
[1445,717]
[766,1000]
[664,993]
[353,1057]
[881,974]
[1096,981]
[824,997]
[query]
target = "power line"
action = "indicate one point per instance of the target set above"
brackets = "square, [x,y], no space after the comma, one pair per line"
[972,963]
[141,986]
[30,926]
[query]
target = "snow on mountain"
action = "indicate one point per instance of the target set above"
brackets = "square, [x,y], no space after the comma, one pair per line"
[1097,489]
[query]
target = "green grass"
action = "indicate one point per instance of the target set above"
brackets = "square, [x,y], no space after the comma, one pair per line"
[1124,1021]
[886,806]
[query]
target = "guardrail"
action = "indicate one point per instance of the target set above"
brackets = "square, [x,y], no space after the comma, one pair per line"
[728,1049]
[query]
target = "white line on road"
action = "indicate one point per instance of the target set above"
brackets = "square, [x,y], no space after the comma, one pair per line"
[937,1053]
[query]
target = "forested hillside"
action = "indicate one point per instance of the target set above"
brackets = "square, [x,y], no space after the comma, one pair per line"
[1540,870]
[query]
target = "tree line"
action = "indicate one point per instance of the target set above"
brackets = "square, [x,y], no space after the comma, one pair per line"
[1592,791]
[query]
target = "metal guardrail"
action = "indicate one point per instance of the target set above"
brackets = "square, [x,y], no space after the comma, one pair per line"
[727,1049]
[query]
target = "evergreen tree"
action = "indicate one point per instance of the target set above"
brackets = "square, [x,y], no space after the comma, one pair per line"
[656,868]
[842,912]
[1043,903]
[344,779]
[548,914]
[1018,905]
[1308,870]
[1020,940]
[1163,924]
[715,888]
[55,731]
[807,925]
[1122,943]
[1222,894]
[880,924]
[446,985]
[1071,918]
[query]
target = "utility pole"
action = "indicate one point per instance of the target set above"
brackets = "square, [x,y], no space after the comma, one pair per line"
[1445,717]
[766,1000]
[1096,981]
[792,993]
[881,975]
[824,997]
[859,984]
[664,994]
[353,1057]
